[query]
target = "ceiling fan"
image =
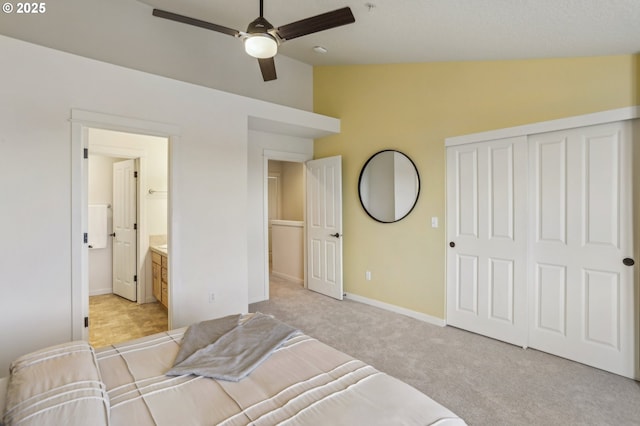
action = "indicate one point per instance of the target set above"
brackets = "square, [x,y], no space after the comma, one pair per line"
[261,39]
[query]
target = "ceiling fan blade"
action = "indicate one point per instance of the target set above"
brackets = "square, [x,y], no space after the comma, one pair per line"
[268,69]
[196,22]
[316,23]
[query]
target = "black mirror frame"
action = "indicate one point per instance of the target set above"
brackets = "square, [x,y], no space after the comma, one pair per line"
[417,193]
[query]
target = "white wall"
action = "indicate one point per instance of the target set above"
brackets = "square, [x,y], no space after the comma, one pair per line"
[209,186]
[292,187]
[292,191]
[124,32]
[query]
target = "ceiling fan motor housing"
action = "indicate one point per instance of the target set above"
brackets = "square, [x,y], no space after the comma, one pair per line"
[259,26]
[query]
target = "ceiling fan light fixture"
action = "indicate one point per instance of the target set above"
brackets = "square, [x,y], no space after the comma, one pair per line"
[261,40]
[261,45]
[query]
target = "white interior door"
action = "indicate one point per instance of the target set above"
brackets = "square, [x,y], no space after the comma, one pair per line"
[324,226]
[124,226]
[486,231]
[582,300]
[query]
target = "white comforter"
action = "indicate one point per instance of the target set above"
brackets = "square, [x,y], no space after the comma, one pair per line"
[304,382]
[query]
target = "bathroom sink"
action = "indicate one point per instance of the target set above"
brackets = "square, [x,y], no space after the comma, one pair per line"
[163,246]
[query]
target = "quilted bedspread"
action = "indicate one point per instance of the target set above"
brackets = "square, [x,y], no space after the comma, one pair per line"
[304,382]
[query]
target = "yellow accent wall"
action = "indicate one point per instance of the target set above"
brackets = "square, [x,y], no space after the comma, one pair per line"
[413,108]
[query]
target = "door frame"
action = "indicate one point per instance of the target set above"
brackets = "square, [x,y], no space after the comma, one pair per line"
[81,122]
[293,157]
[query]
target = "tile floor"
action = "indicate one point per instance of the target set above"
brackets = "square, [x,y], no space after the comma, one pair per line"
[113,319]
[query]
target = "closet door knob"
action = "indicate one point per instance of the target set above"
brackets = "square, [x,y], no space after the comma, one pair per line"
[452,244]
[335,235]
[628,261]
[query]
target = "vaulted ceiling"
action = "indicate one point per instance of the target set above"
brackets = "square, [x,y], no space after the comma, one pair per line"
[395,31]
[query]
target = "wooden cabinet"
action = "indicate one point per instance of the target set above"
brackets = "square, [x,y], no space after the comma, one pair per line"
[164,282]
[160,278]
[156,268]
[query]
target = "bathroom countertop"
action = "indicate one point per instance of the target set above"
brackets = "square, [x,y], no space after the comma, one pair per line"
[161,249]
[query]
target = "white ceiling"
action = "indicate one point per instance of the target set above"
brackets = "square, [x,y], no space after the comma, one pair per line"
[395,31]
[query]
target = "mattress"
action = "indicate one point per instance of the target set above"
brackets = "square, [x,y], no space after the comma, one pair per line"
[303,382]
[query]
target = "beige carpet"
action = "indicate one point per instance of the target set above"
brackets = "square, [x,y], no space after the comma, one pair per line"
[484,381]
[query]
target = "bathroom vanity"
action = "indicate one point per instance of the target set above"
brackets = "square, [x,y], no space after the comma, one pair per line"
[160,263]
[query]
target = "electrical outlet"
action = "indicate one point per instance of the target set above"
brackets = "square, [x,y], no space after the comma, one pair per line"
[434,222]
[367,275]
[212,297]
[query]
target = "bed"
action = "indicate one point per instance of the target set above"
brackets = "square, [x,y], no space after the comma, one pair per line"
[300,381]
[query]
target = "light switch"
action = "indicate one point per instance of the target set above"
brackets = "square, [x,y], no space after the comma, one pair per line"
[434,222]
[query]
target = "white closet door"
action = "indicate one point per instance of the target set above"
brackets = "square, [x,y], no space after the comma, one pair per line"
[582,297]
[486,231]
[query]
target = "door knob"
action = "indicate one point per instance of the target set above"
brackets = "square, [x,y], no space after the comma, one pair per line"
[335,235]
[452,244]
[628,261]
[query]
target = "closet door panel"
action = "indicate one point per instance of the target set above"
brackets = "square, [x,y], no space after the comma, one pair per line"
[501,208]
[486,261]
[550,295]
[592,174]
[601,208]
[602,315]
[501,290]
[467,284]
[463,266]
[466,188]
[550,190]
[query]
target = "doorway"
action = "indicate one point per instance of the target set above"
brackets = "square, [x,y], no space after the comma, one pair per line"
[321,224]
[127,186]
[101,229]
[273,209]
[286,219]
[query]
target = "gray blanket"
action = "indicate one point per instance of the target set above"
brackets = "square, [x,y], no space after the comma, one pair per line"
[235,351]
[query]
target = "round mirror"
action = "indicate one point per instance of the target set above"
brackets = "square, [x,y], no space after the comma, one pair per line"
[389,186]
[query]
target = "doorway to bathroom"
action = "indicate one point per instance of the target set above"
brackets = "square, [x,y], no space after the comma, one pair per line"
[127,214]
[286,212]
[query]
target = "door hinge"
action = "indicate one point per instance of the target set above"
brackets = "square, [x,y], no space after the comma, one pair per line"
[85,153]
[86,322]
[135,226]
[135,174]
[135,278]
[85,238]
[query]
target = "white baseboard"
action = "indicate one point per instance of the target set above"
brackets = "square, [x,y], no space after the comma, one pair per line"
[101,291]
[291,278]
[397,309]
